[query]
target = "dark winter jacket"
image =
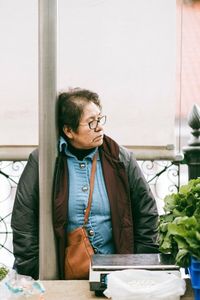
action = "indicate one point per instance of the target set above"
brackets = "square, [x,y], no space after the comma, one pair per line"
[133,208]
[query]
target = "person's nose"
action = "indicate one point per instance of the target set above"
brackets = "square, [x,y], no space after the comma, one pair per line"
[99,126]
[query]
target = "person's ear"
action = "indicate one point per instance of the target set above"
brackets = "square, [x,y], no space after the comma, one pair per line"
[68,132]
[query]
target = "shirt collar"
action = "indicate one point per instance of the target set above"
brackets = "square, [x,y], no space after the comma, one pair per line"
[62,144]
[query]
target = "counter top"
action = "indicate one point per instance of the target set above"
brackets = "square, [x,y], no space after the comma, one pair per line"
[79,290]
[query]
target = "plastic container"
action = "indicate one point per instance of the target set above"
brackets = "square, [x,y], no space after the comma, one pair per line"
[194,271]
[145,285]
[196,294]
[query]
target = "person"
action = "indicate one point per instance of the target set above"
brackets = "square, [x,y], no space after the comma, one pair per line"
[123,217]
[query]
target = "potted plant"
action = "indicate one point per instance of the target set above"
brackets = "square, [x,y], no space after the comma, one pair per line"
[179,228]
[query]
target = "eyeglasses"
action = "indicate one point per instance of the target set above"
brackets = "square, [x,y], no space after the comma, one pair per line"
[94,123]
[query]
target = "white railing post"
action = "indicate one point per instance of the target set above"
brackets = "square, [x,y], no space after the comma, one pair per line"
[47,133]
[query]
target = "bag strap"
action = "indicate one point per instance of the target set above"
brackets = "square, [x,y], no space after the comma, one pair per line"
[92,176]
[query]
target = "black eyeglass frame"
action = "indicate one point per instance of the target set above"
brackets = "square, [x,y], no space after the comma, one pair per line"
[94,123]
[101,120]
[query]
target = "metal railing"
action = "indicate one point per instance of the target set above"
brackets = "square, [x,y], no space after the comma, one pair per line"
[10,173]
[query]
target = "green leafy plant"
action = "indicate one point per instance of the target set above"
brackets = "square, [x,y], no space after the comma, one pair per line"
[179,227]
[3,272]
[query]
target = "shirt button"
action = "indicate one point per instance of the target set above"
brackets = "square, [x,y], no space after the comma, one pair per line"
[85,188]
[82,165]
[91,232]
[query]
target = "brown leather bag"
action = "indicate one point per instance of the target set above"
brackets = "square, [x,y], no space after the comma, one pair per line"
[78,251]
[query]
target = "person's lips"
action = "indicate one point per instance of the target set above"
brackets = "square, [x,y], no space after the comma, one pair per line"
[97,138]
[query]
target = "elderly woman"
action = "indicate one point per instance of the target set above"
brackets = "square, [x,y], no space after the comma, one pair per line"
[123,216]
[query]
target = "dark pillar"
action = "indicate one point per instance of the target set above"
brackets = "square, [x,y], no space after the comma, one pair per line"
[192,151]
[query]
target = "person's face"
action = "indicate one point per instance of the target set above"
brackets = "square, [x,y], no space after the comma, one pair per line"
[84,137]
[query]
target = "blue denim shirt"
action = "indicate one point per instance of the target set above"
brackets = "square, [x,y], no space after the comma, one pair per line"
[99,225]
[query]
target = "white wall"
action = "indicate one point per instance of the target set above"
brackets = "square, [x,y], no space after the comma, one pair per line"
[18,72]
[123,49]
